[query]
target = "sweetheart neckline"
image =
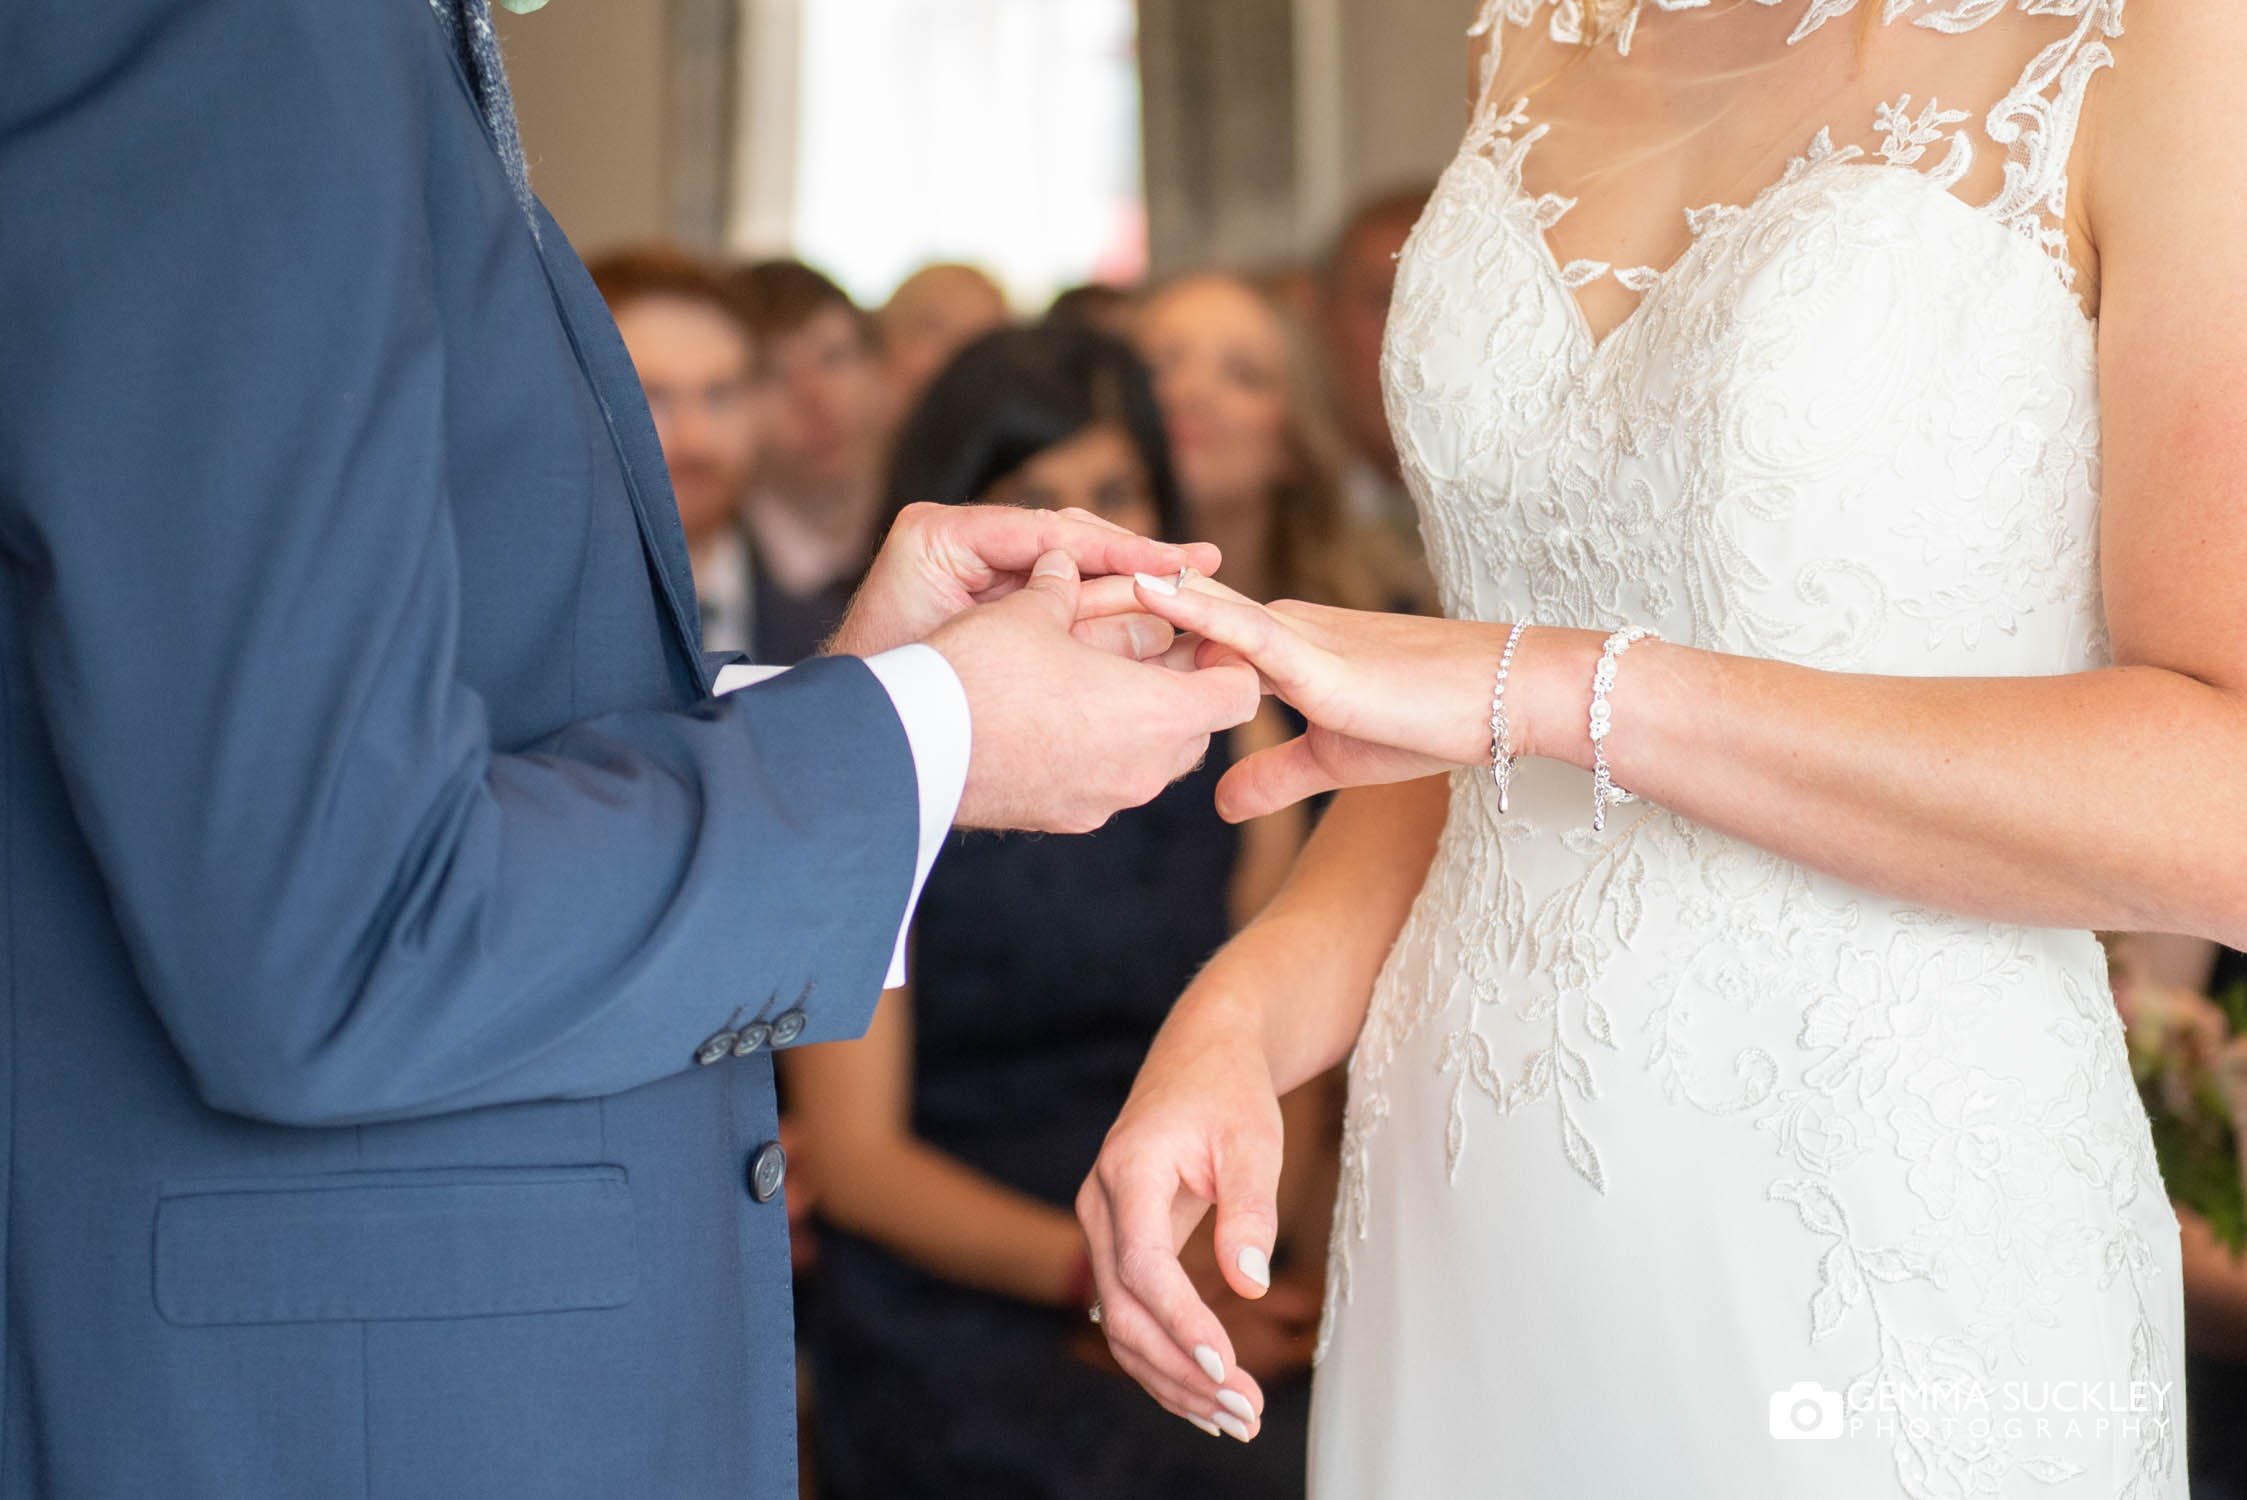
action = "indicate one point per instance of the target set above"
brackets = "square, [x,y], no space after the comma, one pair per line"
[1594,344]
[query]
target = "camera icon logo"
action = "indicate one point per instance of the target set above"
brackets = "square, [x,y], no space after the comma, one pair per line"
[1806,1409]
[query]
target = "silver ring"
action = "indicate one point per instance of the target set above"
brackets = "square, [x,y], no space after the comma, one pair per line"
[1093,1312]
[1183,575]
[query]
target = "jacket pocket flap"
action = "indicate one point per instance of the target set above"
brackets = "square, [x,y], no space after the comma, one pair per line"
[457,1243]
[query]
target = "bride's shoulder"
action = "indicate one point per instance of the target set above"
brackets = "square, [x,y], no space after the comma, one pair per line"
[2169,102]
[2174,31]
[2166,182]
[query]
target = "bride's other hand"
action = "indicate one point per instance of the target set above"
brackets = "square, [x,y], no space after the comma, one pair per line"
[1202,1127]
[1277,1006]
[1389,697]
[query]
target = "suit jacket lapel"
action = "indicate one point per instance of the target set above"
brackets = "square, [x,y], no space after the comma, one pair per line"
[608,369]
[616,386]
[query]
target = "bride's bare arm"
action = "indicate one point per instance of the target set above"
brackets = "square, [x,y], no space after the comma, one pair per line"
[1278,1005]
[1301,972]
[2110,799]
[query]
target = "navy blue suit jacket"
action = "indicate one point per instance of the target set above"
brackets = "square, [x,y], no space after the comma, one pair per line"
[374,864]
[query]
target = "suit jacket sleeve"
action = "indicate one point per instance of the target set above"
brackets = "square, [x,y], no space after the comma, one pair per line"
[223,505]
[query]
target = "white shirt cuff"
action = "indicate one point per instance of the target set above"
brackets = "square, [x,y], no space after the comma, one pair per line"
[932,706]
[738,676]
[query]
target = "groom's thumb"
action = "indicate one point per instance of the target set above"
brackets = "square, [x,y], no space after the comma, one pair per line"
[1053,587]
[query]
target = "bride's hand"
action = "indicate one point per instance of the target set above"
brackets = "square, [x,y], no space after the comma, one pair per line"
[1202,1127]
[1388,697]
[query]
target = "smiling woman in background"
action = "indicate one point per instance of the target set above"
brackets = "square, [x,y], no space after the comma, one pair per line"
[950,1142]
[1259,460]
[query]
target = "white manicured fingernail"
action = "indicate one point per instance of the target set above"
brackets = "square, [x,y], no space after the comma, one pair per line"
[1234,1426]
[1211,1365]
[1206,1425]
[1256,1266]
[1237,1404]
[1154,585]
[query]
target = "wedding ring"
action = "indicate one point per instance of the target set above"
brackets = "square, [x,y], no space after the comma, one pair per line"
[1093,1312]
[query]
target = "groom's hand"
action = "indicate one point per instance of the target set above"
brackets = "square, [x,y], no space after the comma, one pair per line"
[939,560]
[1067,734]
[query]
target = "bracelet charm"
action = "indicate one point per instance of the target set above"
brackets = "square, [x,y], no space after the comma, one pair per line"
[1604,789]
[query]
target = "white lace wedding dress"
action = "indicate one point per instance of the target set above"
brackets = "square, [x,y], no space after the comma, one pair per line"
[1648,1126]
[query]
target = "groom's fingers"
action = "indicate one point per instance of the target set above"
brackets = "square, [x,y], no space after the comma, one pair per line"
[1272,779]
[1132,637]
[1183,653]
[1109,618]
[1108,594]
[1010,539]
[1217,654]
[1217,698]
[1053,588]
[1092,518]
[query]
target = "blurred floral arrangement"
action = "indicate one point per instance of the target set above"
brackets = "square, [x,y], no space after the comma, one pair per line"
[2188,1053]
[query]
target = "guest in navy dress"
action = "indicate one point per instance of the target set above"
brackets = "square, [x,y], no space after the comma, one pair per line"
[948,1146]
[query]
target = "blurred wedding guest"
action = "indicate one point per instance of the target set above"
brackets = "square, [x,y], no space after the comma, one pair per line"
[2181,971]
[931,315]
[1354,288]
[1095,304]
[1294,290]
[690,343]
[1257,457]
[812,498]
[953,1139]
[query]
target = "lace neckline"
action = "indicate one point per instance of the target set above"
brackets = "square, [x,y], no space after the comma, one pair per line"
[2034,123]
[1617,20]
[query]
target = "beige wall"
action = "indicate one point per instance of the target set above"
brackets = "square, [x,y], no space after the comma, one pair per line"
[1404,89]
[596,98]
[589,81]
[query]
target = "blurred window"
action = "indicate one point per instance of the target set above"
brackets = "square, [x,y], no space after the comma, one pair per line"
[1003,133]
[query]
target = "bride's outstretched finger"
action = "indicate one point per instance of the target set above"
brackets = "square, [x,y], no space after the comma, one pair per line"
[1273,644]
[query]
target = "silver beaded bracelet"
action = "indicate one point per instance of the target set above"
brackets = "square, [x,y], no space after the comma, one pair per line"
[1501,739]
[1604,789]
